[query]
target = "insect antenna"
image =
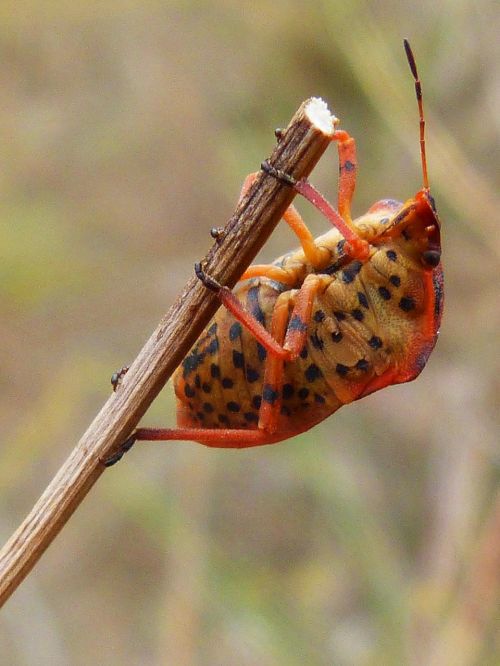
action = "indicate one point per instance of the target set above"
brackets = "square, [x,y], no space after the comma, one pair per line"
[418,91]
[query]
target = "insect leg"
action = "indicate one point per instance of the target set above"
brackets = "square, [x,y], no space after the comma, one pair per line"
[229,300]
[300,318]
[218,438]
[347,172]
[270,405]
[317,256]
[291,331]
[355,246]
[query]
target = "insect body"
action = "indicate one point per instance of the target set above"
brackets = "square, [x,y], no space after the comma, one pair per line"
[348,313]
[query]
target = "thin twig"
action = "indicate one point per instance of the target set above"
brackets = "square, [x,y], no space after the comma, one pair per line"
[298,149]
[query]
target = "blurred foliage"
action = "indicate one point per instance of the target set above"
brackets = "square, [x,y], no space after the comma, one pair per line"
[126,130]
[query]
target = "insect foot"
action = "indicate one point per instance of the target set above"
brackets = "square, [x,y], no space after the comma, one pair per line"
[116,457]
[208,281]
[280,175]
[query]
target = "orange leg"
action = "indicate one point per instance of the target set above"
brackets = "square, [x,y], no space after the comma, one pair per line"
[317,256]
[300,319]
[223,438]
[347,172]
[273,375]
[291,332]
[355,246]
[272,272]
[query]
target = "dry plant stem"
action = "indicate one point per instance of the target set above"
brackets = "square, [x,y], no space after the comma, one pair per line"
[299,148]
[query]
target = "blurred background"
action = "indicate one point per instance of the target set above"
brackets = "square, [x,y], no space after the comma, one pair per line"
[126,131]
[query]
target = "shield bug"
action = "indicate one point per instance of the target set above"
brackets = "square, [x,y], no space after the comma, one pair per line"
[346,314]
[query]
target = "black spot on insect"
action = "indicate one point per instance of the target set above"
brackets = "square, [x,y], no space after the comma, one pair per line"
[407,303]
[252,374]
[362,299]
[213,329]
[339,316]
[223,418]
[233,406]
[197,381]
[256,401]
[288,391]
[303,352]
[395,280]
[357,314]
[214,371]
[191,362]
[341,369]
[337,336]
[319,316]
[347,276]
[432,202]
[261,352]
[200,416]
[406,234]
[208,407]
[285,410]
[213,347]
[391,255]
[362,364]
[303,393]
[340,246]
[384,293]
[375,342]
[317,341]
[254,305]
[235,331]
[319,398]
[227,383]
[313,372]
[251,417]
[269,394]
[348,166]
[238,359]
[297,324]
[206,387]
[189,391]
[350,272]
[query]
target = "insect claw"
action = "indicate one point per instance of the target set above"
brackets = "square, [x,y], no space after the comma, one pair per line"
[208,281]
[280,175]
[118,455]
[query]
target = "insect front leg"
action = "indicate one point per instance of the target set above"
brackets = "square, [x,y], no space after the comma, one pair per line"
[356,246]
[348,166]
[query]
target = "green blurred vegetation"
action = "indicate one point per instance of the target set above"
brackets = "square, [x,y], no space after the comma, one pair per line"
[126,131]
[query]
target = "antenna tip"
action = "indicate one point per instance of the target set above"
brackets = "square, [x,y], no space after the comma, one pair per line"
[411,58]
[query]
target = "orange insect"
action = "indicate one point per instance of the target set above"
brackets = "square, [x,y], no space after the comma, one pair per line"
[347,314]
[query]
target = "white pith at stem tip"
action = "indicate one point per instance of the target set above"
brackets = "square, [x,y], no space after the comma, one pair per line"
[319,114]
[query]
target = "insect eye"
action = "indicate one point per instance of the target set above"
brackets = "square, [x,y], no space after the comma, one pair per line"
[431,257]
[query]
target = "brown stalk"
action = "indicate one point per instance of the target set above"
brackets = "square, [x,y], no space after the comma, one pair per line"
[299,148]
